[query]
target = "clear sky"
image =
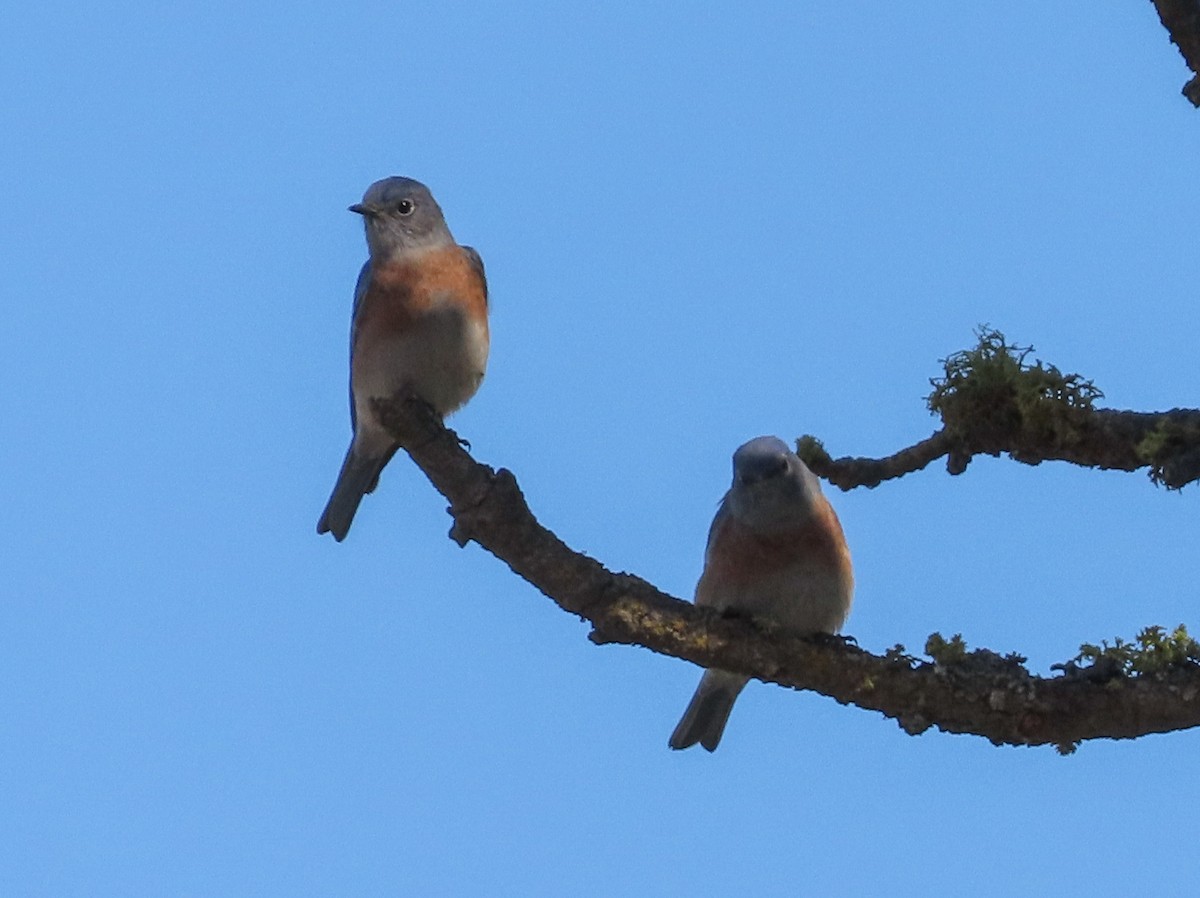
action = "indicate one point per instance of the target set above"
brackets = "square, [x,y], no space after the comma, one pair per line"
[701,223]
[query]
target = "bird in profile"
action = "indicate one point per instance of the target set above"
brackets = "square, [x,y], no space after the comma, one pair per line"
[419,326]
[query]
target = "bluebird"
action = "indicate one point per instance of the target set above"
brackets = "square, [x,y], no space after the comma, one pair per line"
[420,325]
[776,550]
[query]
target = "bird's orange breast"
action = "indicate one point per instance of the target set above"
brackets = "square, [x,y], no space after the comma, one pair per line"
[740,554]
[401,292]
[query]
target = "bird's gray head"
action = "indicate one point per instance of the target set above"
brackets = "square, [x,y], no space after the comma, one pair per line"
[771,486]
[401,214]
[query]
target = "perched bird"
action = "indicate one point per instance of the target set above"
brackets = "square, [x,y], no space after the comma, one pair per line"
[775,550]
[420,325]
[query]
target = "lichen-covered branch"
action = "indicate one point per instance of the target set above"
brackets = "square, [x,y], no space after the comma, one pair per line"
[992,400]
[848,473]
[958,691]
[1181,18]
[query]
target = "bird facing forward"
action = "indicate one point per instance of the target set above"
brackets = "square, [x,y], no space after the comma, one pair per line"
[775,550]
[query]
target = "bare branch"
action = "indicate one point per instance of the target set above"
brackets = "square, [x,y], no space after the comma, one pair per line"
[962,692]
[1181,18]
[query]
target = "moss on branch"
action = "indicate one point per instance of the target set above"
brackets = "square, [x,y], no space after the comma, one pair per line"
[993,400]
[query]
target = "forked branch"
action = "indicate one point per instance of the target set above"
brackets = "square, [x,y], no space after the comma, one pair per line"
[957,691]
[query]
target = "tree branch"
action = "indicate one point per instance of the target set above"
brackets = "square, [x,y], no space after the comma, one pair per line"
[1181,18]
[991,400]
[959,692]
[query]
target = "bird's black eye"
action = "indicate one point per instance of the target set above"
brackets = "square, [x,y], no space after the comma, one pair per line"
[405,207]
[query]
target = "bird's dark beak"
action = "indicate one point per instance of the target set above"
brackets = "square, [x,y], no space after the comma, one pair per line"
[364,210]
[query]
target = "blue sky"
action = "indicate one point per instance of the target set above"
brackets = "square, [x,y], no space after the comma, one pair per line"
[700,224]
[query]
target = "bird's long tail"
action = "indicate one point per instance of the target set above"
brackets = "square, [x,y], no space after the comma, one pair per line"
[358,477]
[705,718]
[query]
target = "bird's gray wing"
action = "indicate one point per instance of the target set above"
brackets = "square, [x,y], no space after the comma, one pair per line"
[360,289]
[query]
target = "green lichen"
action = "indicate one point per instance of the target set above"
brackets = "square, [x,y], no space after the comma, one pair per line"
[946,651]
[953,653]
[1153,653]
[812,452]
[1164,440]
[992,394]
[1165,444]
